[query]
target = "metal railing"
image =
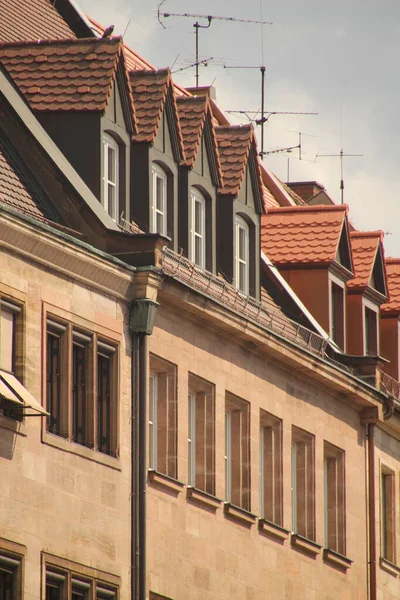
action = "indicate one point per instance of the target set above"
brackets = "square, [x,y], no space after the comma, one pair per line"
[389,386]
[181,268]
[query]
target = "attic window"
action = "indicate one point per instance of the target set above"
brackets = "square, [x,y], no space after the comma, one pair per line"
[371,345]
[158,216]
[197,247]
[241,255]
[337,314]
[110,176]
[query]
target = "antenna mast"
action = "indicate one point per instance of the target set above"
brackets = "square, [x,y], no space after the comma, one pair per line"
[340,155]
[197,26]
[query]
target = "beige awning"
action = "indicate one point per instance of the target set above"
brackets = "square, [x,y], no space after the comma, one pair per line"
[13,390]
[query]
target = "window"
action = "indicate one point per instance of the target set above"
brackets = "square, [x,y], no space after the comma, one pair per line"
[110,176]
[370,332]
[10,573]
[197,247]
[158,216]
[271,468]
[388,515]
[303,484]
[334,499]
[337,314]
[237,452]
[241,255]
[82,407]
[201,440]
[9,317]
[162,417]
[63,582]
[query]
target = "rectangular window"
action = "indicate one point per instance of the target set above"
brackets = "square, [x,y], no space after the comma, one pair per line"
[63,582]
[371,331]
[110,166]
[241,255]
[10,315]
[158,217]
[198,229]
[337,314]
[334,499]
[11,561]
[271,468]
[388,515]
[73,358]
[201,440]
[162,417]
[303,484]
[237,451]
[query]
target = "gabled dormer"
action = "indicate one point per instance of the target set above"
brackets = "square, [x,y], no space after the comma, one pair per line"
[311,248]
[157,151]
[390,319]
[365,293]
[199,179]
[239,206]
[80,93]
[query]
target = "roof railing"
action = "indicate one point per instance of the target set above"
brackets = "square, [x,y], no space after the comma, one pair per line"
[182,269]
[390,386]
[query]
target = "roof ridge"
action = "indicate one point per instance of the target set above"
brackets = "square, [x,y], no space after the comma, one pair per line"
[365,234]
[305,208]
[48,42]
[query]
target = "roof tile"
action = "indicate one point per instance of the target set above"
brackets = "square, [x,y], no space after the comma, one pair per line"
[33,20]
[301,234]
[364,246]
[393,281]
[234,144]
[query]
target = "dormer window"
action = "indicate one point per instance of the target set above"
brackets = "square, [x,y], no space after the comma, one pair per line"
[371,344]
[110,176]
[158,217]
[197,244]
[241,255]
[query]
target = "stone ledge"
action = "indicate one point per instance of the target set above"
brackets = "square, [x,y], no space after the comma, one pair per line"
[67,446]
[302,543]
[272,529]
[239,514]
[17,427]
[389,567]
[337,559]
[203,498]
[164,481]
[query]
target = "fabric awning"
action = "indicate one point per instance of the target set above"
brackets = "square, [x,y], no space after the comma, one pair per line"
[13,390]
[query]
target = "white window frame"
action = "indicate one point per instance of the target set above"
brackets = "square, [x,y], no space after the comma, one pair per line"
[153,421]
[335,280]
[192,440]
[197,198]
[374,308]
[228,456]
[241,225]
[109,142]
[158,173]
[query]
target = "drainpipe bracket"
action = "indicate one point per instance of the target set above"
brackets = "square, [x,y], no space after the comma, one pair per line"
[142,315]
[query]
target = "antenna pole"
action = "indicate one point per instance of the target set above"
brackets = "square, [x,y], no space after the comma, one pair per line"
[299,145]
[341,178]
[196,26]
[262,109]
[288,164]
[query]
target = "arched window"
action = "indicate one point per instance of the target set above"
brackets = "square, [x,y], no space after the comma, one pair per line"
[110,176]
[158,209]
[197,241]
[241,255]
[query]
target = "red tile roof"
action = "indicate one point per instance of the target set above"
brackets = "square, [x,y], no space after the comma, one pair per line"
[364,247]
[393,281]
[150,90]
[308,235]
[64,75]
[234,144]
[33,20]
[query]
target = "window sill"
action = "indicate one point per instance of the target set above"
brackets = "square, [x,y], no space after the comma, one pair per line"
[18,427]
[305,544]
[272,529]
[203,498]
[93,455]
[239,514]
[389,567]
[336,559]
[164,481]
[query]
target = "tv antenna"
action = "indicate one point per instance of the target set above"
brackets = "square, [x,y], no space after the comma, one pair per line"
[341,155]
[266,114]
[197,26]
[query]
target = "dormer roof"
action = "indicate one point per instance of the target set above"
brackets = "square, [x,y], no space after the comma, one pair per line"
[36,20]
[195,118]
[67,75]
[304,235]
[153,91]
[392,306]
[236,144]
[369,266]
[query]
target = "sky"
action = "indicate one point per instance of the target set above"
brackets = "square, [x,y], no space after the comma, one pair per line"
[338,59]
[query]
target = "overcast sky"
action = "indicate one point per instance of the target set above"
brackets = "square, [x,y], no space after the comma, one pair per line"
[335,58]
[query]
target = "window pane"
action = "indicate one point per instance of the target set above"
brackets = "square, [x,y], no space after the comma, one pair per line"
[242,244]
[111,200]
[198,251]
[159,223]
[198,217]
[303,486]
[79,367]
[111,164]
[237,460]
[160,194]
[201,442]
[54,382]
[6,585]
[7,339]
[104,404]
[271,467]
